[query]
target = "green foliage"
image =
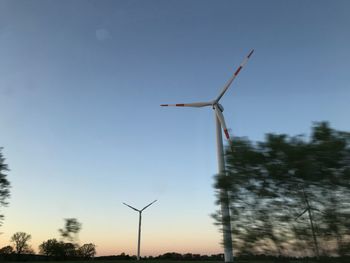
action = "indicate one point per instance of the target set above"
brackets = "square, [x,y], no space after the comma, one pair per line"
[266,182]
[4,184]
[20,240]
[71,229]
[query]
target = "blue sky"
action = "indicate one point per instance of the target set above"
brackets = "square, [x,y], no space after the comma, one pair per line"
[80,87]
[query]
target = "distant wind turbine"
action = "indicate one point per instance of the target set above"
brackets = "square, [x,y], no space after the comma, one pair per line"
[140,217]
[220,123]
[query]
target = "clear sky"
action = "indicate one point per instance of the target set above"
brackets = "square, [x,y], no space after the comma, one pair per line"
[80,87]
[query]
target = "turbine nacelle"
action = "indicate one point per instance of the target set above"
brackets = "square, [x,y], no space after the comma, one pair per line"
[221,108]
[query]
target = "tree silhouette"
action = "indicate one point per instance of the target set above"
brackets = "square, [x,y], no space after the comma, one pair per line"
[51,247]
[4,184]
[58,249]
[6,250]
[87,251]
[20,240]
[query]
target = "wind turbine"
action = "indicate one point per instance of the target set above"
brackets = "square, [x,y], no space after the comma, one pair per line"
[140,217]
[220,123]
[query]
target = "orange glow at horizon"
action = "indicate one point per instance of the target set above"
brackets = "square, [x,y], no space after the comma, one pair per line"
[180,236]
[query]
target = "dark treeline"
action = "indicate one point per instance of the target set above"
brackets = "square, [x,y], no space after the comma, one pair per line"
[290,196]
[52,249]
[122,256]
[173,256]
[49,250]
[166,256]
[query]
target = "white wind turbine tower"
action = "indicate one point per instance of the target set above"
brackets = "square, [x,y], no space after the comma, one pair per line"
[140,217]
[220,123]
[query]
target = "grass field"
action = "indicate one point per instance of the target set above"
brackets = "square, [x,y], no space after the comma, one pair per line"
[331,260]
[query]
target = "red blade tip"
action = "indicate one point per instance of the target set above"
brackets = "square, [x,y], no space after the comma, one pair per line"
[227,135]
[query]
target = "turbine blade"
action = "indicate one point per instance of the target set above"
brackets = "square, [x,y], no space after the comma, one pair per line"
[222,121]
[229,82]
[132,207]
[148,205]
[195,104]
[301,214]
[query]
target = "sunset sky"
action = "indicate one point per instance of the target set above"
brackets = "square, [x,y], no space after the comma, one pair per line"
[80,87]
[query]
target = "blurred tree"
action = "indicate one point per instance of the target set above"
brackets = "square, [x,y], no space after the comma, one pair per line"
[71,229]
[269,183]
[87,251]
[69,249]
[20,240]
[4,184]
